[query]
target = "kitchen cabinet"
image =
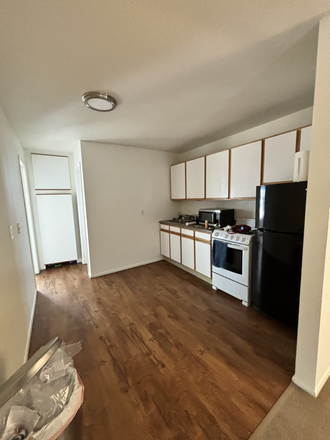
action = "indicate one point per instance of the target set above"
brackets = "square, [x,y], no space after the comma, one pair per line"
[279,158]
[203,253]
[188,248]
[57,230]
[178,181]
[175,244]
[195,171]
[245,170]
[305,138]
[51,172]
[217,173]
[165,240]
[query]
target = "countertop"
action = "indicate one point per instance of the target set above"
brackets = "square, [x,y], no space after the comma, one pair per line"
[183,225]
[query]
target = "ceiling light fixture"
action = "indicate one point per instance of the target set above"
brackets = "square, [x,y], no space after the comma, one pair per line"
[99,101]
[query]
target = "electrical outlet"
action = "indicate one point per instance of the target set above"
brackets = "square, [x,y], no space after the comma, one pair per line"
[11,229]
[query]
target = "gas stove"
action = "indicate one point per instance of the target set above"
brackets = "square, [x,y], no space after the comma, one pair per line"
[239,238]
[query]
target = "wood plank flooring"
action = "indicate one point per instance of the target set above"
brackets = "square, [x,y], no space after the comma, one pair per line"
[164,356]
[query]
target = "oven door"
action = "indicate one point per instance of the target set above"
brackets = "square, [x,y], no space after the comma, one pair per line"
[237,265]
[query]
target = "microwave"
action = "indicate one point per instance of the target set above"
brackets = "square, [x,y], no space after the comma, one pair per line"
[222,217]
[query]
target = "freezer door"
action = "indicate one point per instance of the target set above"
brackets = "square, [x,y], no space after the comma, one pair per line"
[276,273]
[281,207]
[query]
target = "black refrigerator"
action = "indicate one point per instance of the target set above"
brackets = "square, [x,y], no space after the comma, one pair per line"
[277,250]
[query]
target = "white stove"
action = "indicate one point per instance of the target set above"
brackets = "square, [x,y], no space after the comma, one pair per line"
[231,264]
[232,237]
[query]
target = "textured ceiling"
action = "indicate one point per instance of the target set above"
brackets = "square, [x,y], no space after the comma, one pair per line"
[184,72]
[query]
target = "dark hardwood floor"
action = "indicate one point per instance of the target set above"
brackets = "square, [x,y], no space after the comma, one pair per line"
[164,356]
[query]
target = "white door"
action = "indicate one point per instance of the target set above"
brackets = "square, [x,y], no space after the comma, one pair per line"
[203,258]
[245,170]
[165,243]
[175,247]
[178,181]
[188,252]
[279,158]
[217,171]
[57,229]
[82,214]
[195,170]
[305,138]
[29,218]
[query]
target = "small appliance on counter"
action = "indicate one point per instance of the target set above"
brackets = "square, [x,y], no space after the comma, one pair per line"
[185,219]
[231,259]
[278,246]
[216,216]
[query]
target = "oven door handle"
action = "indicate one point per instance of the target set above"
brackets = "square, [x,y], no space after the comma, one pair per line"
[239,248]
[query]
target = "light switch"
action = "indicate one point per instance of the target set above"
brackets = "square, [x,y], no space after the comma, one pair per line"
[18,228]
[11,232]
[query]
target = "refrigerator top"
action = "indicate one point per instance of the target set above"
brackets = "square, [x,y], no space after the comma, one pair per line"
[281,207]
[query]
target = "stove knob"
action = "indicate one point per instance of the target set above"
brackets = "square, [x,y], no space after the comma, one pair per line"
[237,238]
[232,237]
[243,239]
[217,234]
[226,236]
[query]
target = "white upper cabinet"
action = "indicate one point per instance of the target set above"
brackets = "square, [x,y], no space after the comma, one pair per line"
[245,170]
[305,138]
[51,172]
[279,157]
[195,170]
[178,181]
[217,171]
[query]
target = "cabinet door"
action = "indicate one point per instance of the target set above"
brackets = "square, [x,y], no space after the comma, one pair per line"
[165,243]
[188,252]
[178,181]
[305,138]
[195,170]
[245,170]
[217,170]
[51,172]
[57,228]
[279,158]
[175,248]
[203,258]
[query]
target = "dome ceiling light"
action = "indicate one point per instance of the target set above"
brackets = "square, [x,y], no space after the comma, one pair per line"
[99,101]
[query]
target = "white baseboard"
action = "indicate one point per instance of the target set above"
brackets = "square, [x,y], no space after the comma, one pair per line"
[28,341]
[303,386]
[318,387]
[119,269]
[322,382]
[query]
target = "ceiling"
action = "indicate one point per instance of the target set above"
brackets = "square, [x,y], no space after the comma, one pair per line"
[184,72]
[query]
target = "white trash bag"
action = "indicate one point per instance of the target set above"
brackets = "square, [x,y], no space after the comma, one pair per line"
[47,402]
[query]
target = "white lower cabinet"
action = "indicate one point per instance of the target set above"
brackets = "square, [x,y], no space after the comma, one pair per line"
[165,243]
[175,243]
[175,247]
[203,258]
[203,253]
[188,251]
[187,247]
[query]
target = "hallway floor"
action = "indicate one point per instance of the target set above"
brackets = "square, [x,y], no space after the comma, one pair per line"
[164,356]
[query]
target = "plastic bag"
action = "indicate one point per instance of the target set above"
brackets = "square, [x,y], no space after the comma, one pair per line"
[47,403]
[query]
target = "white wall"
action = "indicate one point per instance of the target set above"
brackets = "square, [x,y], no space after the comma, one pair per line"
[17,284]
[29,169]
[119,182]
[243,208]
[313,353]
